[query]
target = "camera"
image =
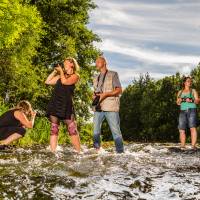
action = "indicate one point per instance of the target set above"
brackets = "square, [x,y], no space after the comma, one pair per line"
[184,100]
[96,103]
[58,63]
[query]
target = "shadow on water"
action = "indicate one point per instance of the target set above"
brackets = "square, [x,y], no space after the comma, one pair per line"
[145,171]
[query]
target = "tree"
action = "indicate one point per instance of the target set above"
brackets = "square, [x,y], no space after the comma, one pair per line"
[36,34]
[21,30]
[195,73]
[67,35]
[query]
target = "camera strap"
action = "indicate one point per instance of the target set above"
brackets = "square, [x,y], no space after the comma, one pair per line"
[98,80]
[191,93]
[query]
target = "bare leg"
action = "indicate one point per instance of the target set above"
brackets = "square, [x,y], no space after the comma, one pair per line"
[193,136]
[182,137]
[53,142]
[11,138]
[54,133]
[74,135]
[75,140]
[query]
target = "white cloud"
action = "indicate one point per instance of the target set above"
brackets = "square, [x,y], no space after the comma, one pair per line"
[149,55]
[146,21]
[128,75]
[155,33]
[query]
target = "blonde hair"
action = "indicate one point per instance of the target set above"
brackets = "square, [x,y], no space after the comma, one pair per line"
[74,61]
[25,107]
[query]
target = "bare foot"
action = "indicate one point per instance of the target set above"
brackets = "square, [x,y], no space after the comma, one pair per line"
[182,147]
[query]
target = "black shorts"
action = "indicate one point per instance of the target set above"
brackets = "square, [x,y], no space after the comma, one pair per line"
[5,132]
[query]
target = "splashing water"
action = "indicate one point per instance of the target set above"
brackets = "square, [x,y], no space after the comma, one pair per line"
[145,171]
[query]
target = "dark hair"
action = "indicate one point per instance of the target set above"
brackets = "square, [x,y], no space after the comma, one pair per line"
[185,79]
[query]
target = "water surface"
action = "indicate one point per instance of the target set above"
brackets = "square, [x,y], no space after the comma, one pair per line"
[145,171]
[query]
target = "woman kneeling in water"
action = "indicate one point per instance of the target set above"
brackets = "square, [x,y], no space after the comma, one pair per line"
[188,99]
[14,122]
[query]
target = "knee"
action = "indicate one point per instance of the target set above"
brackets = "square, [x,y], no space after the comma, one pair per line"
[193,129]
[182,130]
[116,131]
[72,128]
[54,129]
[21,131]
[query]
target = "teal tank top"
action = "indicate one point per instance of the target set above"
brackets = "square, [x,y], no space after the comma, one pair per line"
[187,105]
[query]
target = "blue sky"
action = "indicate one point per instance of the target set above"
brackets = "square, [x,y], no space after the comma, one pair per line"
[161,37]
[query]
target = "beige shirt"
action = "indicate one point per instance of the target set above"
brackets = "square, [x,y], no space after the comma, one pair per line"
[110,104]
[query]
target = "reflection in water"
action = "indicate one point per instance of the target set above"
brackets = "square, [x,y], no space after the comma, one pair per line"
[145,171]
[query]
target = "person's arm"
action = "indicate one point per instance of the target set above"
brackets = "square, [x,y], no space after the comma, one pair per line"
[23,119]
[117,89]
[114,93]
[196,97]
[73,79]
[52,78]
[178,100]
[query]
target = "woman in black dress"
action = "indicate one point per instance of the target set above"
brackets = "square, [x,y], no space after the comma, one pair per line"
[14,121]
[60,107]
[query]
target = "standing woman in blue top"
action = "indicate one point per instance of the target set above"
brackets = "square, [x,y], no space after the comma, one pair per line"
[188,99]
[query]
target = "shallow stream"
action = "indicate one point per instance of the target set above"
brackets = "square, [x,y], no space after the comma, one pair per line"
[144,171]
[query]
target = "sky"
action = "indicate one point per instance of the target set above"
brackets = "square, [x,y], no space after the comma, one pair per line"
[160,37]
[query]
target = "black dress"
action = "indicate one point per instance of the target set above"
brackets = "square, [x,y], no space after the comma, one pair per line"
[9,125]
[61,102]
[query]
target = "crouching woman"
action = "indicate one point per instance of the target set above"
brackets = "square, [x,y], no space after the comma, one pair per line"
[14,122]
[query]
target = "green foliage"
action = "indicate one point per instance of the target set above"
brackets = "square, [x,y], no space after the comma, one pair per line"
[34,34]
[67,35]
[3,107]
[21,30]
[86,134]
[196,77]
[18,21]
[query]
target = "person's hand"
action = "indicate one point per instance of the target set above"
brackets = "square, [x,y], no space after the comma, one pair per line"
[179,100]
[33,113]
[59,69]
[102,96]
[94,96]
[188,100]
[196,101]
[55,71]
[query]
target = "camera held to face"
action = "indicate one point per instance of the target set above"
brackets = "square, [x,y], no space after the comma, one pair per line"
[96,103]
[58,63]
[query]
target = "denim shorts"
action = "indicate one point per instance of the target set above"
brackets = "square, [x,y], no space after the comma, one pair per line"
[188,119]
